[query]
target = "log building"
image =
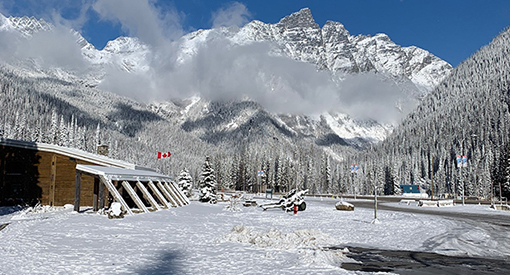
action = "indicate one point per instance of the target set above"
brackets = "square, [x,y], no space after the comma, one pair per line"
[52,175]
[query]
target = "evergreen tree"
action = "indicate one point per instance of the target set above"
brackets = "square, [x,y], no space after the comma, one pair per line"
[325,175]
[63,132]
[53,137]
[207,183]
[98,140]
[501,173]
[185,182]
[389,186]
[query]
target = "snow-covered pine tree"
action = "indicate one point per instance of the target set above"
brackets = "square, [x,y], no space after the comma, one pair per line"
[207,183]
[233,175]
[53,137]
[501,174]
[185,182]
[276,173]
[63,132]
[97,140]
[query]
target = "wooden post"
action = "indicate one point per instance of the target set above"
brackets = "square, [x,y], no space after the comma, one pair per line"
[53,178]
[77,189]
[95,205]
[158,194]
[115,193]
[166,194]
[179,193]
[148,196]
[101,194]
[132,193]
[171,192]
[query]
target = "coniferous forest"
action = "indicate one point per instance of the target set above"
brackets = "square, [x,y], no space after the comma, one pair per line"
[467,114]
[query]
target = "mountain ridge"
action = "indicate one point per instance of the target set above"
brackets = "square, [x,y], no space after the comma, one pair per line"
[297,36]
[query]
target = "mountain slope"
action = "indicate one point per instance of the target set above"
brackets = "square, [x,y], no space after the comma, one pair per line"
[468,114]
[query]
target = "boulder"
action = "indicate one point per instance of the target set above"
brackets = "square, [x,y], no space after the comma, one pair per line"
[344,206]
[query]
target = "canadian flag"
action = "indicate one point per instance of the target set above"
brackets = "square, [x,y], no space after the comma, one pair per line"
[163,155]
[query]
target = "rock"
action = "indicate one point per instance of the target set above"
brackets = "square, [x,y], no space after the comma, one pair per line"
[115,211]
[344,206]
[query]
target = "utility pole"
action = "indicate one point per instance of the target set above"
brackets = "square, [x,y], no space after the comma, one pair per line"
[463,186]
[432,180]
[462,162]
[354,169]
[375,202]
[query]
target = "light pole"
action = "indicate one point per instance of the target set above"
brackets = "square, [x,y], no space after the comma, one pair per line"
[375,201]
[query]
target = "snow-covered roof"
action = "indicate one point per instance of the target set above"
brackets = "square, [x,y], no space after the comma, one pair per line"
[72,153]
[115,173]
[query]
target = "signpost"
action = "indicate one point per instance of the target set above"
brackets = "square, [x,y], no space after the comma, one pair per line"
[462,163]
[260,174]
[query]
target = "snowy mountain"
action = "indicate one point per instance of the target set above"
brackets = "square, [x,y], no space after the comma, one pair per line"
[25,25]
[332,48]
[297,36]
[411,69]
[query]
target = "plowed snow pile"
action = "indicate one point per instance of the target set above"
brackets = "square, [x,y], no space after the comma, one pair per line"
[307,243]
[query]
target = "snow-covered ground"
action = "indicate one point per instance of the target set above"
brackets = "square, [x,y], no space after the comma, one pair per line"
[207,239]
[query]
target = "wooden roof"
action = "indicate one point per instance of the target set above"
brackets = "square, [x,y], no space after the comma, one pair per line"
[72,153]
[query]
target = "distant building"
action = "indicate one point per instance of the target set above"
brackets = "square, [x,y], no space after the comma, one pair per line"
[410,188]
[413,191]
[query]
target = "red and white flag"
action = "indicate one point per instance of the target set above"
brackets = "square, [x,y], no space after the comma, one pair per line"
[163,155]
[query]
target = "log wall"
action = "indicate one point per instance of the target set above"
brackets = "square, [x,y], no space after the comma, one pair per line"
[46,176]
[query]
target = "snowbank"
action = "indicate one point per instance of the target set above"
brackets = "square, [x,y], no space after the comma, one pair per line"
[198,239]
[308,244]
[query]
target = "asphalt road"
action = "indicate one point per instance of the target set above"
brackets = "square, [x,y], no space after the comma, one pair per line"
[423,262]
[493,218]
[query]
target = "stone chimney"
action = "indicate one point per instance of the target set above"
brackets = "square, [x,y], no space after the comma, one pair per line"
[102,150]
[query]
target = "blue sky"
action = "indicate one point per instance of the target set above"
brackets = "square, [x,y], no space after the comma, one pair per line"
[450,29]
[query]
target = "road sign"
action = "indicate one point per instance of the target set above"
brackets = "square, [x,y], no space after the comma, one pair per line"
[354,168]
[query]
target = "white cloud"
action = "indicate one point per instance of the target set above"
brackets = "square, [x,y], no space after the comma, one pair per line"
[374,96]
[56,48]
[142,19]
[51,11]
[49,49]
[235,14]
[223,71]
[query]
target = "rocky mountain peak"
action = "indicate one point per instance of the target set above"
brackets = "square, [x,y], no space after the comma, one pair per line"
[123,45]
[300,19]
[29,25]
[5,24]
[335,27]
